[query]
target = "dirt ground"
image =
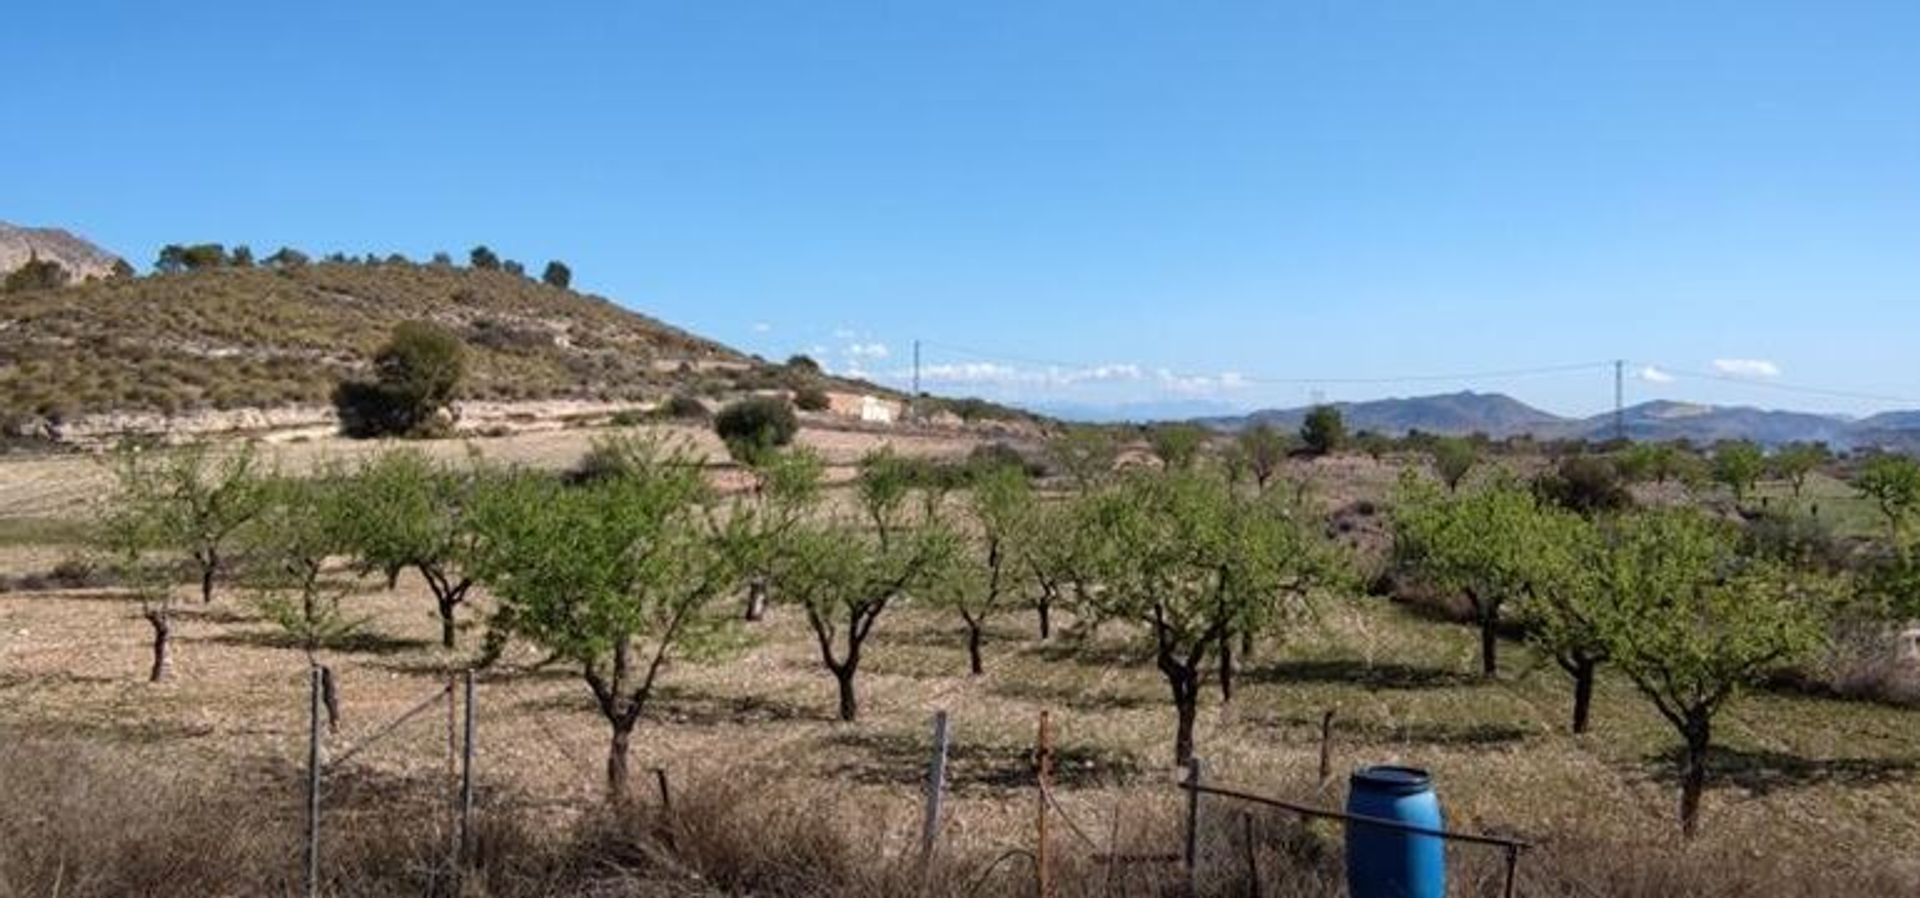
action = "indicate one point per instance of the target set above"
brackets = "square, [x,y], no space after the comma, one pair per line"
[1794,772]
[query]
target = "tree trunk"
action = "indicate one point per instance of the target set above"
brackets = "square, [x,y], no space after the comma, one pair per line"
[974,666]
[208,565]
[617,761]
[1489,642]
[756,598]
[1693,777]
[1045,608]
[1186,709]
[1582,693]
[1226,667]
[849,705]
[446,623]
[162,634]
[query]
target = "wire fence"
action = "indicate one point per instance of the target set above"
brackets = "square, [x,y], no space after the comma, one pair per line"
[460,698]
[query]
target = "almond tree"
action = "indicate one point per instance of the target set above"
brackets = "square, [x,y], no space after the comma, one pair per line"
[1893,483]
[1193,565]
[208,497]
[302,524]
[845,572]
[617,575]
[1477,543]
[1265,448]
[131,528]
[786,487]
[987,571]
[1563,600]
[405,511]
[1691,623]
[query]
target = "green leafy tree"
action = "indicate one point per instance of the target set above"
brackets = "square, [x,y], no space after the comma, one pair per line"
[1589,485]
[1453,459]
[1265,448]
[483,259]
[755,427]
[1324,431]
[986,574]
[1562,600]
[302,524]
[1796,462]
[417,374]
[1893,483]
[1737,465]
[1176,445]
[1691,623]
[786,488]
[617,576]
[241,257]
[404,511]
[1478,543]
[1182,557]
[131,531]
[1085,453]
[288,257]
[557,274]
[204,497]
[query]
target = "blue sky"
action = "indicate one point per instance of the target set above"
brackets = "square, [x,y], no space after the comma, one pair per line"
[1091,202]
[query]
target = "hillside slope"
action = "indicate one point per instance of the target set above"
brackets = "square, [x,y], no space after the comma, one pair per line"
[1494,414]
[264,337]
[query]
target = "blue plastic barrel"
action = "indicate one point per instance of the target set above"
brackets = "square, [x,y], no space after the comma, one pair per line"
[1389,863]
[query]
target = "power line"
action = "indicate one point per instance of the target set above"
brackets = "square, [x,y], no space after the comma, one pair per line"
[1782,387]
[1291,381]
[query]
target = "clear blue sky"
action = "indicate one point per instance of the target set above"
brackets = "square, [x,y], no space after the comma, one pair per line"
[1233,192]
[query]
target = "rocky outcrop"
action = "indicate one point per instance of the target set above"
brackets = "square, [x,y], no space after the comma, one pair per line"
[79,257]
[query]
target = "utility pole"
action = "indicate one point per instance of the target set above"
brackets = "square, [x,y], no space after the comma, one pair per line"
[1619,399]
[913,399]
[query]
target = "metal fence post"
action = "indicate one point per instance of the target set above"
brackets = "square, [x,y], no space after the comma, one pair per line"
[1190,855]
[1045,776]
[936,786]
[466,778]
[313,780]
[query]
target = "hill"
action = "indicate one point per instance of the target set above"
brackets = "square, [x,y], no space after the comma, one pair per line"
[79,257]
[1498,415]
[1494,414]
[267,337]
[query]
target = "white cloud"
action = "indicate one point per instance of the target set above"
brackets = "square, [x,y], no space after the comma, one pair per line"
[1650,374]
[994,374]
[761,327]
[1746,367]
[875,350]
[968,373]
[844,333]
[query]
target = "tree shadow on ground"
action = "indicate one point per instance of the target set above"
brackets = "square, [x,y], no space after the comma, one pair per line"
[679,705]
[12,679]
[1424,732]
[954,638]
[1079,699]
[1355,672]
[352,643]
[896,759]
[1084,652]
[1763,772]
[214,614]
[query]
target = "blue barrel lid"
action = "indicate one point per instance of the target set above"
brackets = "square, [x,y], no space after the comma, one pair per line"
[1391,779]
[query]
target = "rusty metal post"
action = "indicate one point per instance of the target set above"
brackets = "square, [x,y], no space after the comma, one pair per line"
[1326,746]
[314,700]
[1192,848]
[466,777]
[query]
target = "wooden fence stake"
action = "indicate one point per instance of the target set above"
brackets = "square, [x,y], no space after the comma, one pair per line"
[1254,887]
[1326,746]
[936,786]
[1042,867]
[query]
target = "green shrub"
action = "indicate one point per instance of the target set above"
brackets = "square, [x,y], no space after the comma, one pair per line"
[811,399]
[415,377]
[753,427]
[682,407]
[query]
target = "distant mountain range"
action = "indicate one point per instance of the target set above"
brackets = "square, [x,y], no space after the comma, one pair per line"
[1499,415]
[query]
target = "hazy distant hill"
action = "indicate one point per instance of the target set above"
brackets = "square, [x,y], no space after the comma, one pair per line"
[1498,415]
[1494,414]
[80,258]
